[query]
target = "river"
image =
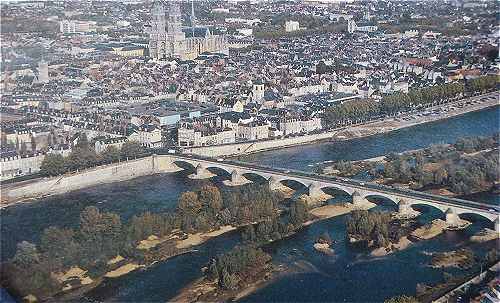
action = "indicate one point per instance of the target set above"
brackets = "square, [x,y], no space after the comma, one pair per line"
[347,276]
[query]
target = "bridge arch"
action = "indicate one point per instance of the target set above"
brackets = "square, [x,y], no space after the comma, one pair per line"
[186,165]
[293,184]
[334,188]
[475,217]
[255,177]
[392,200]
[428,209]
[219,171]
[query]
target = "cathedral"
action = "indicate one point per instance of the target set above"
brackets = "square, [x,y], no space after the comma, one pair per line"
[167,37]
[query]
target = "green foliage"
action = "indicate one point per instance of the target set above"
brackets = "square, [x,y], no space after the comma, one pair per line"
[27,273]
[239,264]
[131,150]
[26,255]
[369,226]
[52,165]
[111,154]
[298,213]
[149,224]
[100,234]
[59,247]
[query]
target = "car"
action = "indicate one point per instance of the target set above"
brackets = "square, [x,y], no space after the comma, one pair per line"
[220,159]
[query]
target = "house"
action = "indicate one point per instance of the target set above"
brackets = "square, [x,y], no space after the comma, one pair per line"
[147,135]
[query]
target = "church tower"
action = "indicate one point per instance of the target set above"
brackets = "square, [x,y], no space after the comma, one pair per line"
[175,36]
[158,34]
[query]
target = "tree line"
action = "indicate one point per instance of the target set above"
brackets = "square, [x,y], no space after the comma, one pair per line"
[359,111]
[84,156]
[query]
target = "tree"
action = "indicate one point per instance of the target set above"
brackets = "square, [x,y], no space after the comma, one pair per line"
[52,165]
[60,247]
[131,149]
[90,229]
[248,233]
[189,203]
[298,213]
[111,154]
[211,197]
[33,142]
[27,255]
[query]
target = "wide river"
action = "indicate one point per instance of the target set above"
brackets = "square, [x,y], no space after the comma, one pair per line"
[347,276]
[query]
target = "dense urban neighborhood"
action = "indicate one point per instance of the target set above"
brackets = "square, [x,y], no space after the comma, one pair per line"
[239,71]
[249,151]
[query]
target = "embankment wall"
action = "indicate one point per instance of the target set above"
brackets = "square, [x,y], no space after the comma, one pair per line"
[252,147]
[69,182]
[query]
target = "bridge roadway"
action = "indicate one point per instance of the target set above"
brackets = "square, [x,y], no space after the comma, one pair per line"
[316,183]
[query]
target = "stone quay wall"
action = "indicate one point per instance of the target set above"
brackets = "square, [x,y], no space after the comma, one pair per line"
[68,182]
[234,149]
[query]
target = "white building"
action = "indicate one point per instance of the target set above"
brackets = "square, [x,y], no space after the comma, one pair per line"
[292,26]
[291,126]
[257,91]
[72,26]
[256,130]
[189,137]
[15,166]
[148,136]
[101,145]
[366,28]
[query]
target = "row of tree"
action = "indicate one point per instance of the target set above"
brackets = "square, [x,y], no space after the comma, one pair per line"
[363,110]
[84,156]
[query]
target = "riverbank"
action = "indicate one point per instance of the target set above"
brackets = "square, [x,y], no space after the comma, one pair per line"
[404,120]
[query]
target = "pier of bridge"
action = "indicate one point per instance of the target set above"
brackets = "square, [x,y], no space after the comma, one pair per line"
[315,185]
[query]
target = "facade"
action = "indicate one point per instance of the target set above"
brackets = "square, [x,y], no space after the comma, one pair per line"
[16,165]
[101,145]
[167,38]
[292,26]
[148,135]
[187,136]
[256,130]
[71,27]
[291,126]
[257,91]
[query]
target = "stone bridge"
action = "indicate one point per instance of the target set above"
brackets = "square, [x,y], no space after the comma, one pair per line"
[315,185]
